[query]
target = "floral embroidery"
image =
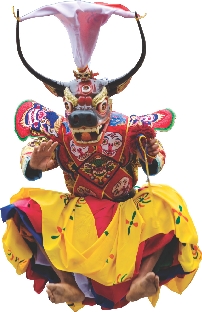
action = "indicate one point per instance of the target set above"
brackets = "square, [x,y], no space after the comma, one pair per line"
[66,198]
[131,222]
[14,258]
[196,252]
[80,202]
[142,200]
[120,278]
[111,256]
[61,232]
[179,215]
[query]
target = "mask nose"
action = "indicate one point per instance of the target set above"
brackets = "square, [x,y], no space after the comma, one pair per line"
[79,119]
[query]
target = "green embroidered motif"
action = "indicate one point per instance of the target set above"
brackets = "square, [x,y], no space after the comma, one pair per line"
[131,222]
[179,215]
[61,233]
[142,200]
[14,258]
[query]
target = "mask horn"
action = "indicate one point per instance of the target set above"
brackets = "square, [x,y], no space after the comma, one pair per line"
[117,85]
[55,87]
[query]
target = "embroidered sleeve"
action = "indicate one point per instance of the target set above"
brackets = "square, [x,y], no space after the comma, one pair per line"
[157,164]
[33,119]
[28,172]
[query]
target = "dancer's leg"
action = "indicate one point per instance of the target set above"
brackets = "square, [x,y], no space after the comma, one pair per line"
[147,283]
[67,290]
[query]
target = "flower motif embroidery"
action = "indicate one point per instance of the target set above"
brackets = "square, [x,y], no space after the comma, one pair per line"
[142,200]
[14,258]
[111,256]
[120,278]
[179,215]
[196,252]
[66,198]
[61,232]
[131,222]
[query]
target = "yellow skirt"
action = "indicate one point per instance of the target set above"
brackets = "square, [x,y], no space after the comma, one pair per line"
[71,242]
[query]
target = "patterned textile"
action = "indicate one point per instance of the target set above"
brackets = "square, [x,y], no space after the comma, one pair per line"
[71,231]
[103,230]
[109,170]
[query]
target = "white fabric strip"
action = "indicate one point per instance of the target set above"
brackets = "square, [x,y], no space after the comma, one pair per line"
[82,20]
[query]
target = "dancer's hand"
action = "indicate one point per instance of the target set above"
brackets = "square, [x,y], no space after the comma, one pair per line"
[41,156]
[152,147]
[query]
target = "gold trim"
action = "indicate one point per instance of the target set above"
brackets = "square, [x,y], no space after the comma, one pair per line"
[122,86]
[110,104]
[70,97]
[140,16]
[57,124]
[100,97]
[51,89]
[17,18]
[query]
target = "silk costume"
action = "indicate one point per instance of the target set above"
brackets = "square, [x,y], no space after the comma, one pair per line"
[99,230]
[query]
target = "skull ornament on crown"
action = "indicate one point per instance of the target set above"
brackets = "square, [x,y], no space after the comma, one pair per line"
[87,99]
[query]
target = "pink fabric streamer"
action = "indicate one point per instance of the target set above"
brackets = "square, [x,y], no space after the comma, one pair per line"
[82,20]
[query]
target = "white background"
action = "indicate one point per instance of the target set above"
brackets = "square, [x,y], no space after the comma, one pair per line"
[169,78]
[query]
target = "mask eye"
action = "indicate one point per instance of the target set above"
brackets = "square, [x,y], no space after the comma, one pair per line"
[86,89]
[104,142]
[117,143]
[68,107]
[102,107]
